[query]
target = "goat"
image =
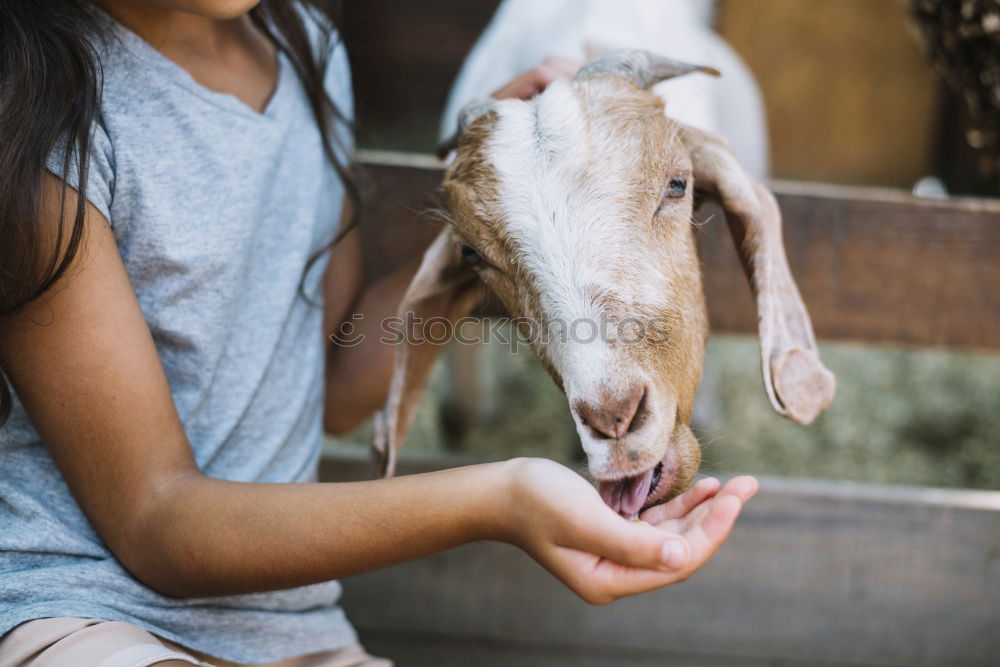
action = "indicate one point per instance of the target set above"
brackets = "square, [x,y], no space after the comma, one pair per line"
[576,206]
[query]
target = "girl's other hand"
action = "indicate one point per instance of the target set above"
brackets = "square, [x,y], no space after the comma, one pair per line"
[523,87]
[560,520]
[537,79]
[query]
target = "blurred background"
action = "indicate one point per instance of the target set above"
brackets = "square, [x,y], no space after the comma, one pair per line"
[856,92]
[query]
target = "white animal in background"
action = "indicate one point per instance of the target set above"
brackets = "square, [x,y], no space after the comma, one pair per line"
[523,33]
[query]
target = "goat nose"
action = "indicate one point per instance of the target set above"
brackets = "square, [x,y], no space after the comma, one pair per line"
[613,415]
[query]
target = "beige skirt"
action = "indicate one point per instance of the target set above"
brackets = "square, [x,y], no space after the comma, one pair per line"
[83,642]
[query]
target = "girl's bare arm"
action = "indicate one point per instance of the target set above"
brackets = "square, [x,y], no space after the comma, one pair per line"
[83,362]
[358,363]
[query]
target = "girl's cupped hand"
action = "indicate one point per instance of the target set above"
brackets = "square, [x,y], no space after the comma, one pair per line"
[560,520]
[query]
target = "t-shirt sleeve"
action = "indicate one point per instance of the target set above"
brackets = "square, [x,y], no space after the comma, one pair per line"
[338,87]
[100,169]
[337,81]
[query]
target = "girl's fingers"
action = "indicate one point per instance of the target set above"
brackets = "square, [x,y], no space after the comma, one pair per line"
[682,504]
[561,67]
[743,487]
[534,81]
[707,526]
[677,514]
[617,581]
[612,558]
[603,580]
[605,534]
[600,581]
[710,530]
[644,546]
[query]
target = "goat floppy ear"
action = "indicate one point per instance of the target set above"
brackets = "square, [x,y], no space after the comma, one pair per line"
[441,288]
[797,383]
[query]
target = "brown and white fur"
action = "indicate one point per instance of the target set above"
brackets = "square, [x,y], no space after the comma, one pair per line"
[576,206]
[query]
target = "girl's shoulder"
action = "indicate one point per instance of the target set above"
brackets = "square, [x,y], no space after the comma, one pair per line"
[321,31]
[328,42]
[329,49]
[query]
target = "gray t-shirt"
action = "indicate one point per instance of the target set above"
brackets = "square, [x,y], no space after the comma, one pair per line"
[216,210]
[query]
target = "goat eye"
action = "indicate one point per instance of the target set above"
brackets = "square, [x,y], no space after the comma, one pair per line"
[470,256]
[676,188]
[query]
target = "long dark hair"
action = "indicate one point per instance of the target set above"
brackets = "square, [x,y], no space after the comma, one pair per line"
[50,92]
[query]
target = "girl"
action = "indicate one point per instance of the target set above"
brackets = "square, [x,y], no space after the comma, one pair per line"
[171,175]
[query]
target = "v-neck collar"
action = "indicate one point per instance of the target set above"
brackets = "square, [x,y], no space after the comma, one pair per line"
[144,51]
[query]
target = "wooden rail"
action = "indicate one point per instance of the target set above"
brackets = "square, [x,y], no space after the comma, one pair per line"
[873,264]
[815,573]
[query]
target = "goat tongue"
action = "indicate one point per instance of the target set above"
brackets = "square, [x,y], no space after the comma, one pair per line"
[627,496]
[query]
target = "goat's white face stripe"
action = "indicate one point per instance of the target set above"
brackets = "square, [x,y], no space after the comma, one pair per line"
[562,206]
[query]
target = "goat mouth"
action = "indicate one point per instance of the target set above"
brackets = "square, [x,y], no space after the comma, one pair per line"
[631,495]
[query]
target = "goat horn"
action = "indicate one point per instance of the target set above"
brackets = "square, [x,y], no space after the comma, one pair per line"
[466,117]
[645,68]
[471,111]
